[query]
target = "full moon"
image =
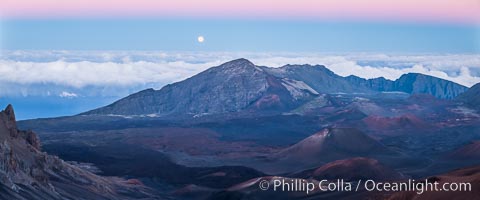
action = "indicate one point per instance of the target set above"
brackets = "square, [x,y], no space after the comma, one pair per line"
[200,39]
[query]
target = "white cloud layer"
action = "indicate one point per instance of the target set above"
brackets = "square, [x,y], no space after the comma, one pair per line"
[84,73]
[65,94]
[27,72]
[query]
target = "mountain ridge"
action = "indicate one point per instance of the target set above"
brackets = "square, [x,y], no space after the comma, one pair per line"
[241,86]
[471,97]
[413,83]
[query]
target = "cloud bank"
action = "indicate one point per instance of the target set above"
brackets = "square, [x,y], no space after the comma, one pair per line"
[65,94]
[111,73]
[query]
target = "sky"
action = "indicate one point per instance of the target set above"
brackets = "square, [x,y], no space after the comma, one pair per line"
[456,11]
[238,35]
[65,57]
[247,25]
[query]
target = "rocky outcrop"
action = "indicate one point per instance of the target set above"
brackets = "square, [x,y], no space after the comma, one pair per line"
[9,120]
[28,173]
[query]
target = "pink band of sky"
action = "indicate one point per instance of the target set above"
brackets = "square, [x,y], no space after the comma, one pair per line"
[443,11]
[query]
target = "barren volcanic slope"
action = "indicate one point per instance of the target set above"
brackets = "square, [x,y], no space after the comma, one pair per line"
[469,151]
[249,189]
[28,173]
[239,85]
[465,175]
[352,169]
[387,124]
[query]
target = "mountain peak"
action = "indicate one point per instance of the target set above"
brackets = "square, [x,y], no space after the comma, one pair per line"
[345,142]
[411,76]
[239,62]
[237,66]
[240,85]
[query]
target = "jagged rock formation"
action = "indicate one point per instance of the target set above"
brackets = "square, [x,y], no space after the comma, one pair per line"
[239,85]
[28,173]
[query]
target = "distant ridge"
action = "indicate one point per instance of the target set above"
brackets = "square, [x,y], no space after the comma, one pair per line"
[471,97]
[413,83]
[241,86]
